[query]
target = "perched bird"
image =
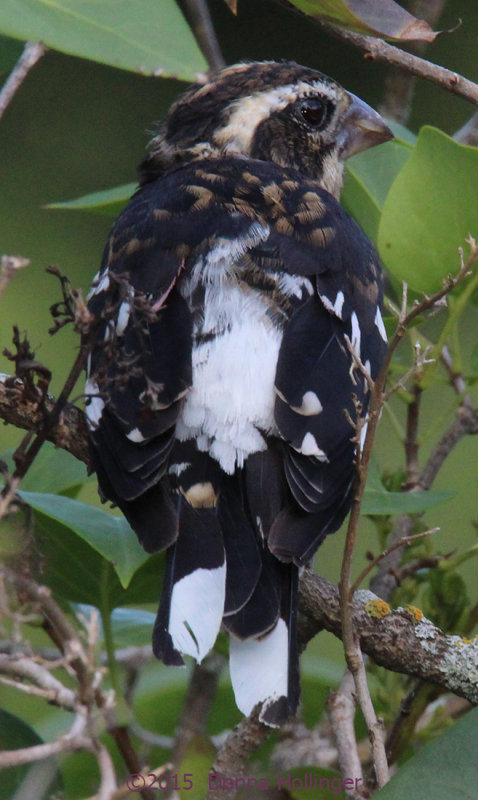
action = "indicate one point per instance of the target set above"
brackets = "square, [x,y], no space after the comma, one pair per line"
[233,302]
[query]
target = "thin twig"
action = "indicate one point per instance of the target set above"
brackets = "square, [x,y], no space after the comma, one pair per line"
[378,50]
[352,651]
[32,52]
[45,684]
[203,29]
[197,704]
[71,741]
[341,711]
[411,438]
[403,542]
[400,85]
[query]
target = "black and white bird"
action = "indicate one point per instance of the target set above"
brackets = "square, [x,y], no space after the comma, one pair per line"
[221,380]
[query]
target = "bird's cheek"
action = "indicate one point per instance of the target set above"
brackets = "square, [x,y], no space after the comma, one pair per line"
[332,174]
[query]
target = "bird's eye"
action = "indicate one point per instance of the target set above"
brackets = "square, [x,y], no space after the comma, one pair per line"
[314,112]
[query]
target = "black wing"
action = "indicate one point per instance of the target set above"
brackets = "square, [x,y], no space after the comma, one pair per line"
[290,495]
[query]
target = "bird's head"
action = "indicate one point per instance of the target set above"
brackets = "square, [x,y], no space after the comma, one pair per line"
[280,112]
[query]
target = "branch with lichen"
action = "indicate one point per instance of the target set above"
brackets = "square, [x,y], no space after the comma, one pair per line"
[401,640]
[398,640]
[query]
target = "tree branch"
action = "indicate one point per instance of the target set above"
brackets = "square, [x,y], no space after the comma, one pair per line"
[200,20]
[378,50]
[399,84]
[341,710]
[233,756]
[399,640]
[20,410]
[32,52]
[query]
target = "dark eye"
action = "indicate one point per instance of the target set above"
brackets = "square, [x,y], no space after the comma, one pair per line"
[314,112]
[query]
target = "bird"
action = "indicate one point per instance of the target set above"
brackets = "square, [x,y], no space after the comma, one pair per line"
[236,327]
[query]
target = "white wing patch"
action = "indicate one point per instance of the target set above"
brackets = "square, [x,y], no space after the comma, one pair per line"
[294,285]
[356,334]
[309,447]
[335,307]
[310,405]
[95,404]
[135,436]
[197,606]
[380,325]
[123,317]
[99,284]
[259,668]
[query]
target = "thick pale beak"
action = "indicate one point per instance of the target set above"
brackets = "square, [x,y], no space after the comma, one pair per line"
[362,128]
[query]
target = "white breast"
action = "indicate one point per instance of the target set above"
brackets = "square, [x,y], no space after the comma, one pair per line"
[232,396]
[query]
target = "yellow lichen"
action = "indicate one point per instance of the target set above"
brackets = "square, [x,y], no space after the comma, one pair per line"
[377,608]
[414,612]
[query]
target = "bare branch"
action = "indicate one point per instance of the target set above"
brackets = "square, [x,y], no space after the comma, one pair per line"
[73,740]
[197,704]
[59,629]
[400,85]
[384,582]
[203,28]
[341,710]
[48,686]
[402,640]
[17,408]
[32,52]
[233,756]
[401,543]
[378,50]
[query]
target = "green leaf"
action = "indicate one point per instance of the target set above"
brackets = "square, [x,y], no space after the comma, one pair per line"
[429,212]
[77,572]
[378,501]
[132,627]
[73,569]
[368,178]
[137,35]
[443,769]
[402,502]
[367,16]
[10,52]
[14,735]
[111,537]
[108,201]
[54,471]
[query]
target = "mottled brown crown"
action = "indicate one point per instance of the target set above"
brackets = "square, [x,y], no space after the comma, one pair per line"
[291,115]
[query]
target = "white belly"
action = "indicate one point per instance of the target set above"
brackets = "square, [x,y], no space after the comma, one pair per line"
[232,397]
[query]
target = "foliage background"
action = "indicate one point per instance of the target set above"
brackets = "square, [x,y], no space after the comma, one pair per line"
[76,127]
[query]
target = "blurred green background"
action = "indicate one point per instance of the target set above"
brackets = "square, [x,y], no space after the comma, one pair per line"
[77,127]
